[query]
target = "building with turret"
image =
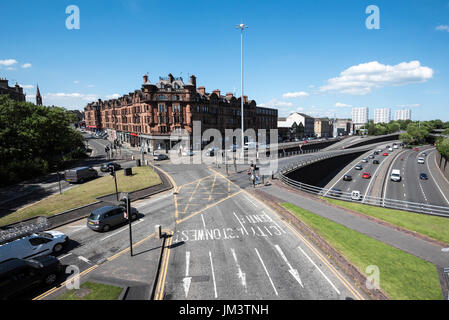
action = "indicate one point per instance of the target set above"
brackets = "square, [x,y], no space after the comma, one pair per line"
[15,93]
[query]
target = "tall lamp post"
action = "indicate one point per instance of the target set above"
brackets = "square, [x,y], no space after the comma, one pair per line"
[242,27]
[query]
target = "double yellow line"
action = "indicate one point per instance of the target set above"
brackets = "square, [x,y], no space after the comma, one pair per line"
[159,294]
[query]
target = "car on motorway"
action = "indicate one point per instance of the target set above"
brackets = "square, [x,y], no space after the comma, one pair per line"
[371,156]
[347,177]
[19,275]
[356,195]
[335,192]
[375,161]
[104,218]
[424,154]
[376,153]
[395,146]
[364,160]
[415,149]
[366,175]
[420,160]
[390,149]
[423,176]
[105,166]
[160,157]
[396,175]
[385,154]
[34,245]
[80,175]
[379,150]
[358,167]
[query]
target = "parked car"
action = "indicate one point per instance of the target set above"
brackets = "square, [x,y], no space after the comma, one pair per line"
[366,175]
[375,161]
[80,175]
[358,167]
[19,275]
[104,218]
[347,177]
[34,245]
[188,153]
[105,166]
[160,157]
[423,176]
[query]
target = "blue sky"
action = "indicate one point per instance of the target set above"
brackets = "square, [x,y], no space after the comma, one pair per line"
[316,57]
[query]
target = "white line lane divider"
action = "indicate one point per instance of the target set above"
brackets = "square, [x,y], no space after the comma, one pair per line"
[123,229]
[84,259]
[213,274]
[322,273]
[187,280]
[292,271]
[266,271]
[240,274]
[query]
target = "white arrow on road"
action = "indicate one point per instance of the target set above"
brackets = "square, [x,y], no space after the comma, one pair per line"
[292,271]
[445,250]
[240,274]
[187,280]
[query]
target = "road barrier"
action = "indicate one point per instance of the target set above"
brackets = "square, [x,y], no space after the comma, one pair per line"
[351,197]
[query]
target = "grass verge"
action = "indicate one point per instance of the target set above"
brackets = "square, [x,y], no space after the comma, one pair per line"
[431,226]
[86,193]
[92,291]
[402,275]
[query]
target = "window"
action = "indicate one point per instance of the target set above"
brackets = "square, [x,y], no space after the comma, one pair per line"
[38,241]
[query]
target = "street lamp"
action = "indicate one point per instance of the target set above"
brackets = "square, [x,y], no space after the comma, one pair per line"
[242,27]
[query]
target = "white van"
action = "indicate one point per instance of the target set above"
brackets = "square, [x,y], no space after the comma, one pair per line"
[420,160]
[395,175]
[37,244]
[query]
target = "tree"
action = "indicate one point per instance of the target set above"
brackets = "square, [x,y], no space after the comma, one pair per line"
[34,139]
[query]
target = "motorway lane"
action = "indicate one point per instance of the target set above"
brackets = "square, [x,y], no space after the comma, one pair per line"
[358,183]
[240,249]
[412,188]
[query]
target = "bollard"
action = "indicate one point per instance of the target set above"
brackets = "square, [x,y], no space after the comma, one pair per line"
[158,231]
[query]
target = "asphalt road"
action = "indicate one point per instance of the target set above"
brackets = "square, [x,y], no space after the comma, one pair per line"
[412,188]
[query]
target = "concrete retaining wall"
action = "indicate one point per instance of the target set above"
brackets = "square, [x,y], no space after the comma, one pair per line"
[443,164]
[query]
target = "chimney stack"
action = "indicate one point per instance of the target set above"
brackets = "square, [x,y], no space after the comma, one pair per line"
[145,79]
[245,99]
[202,90]
[217,92]
[193,80]
[170,78]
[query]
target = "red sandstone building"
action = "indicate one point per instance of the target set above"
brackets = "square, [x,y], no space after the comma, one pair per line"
[148,117]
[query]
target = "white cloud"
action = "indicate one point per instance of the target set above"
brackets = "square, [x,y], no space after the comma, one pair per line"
[90,86]
[27,86]
[361,79]
[8,62]
[299,94]
[443,28]
[113,96]
[76,82]
[69,100]
[274,103]
[26,65]
[407,105]
[342,105]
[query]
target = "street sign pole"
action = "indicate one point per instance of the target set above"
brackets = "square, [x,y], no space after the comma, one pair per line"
[128,210]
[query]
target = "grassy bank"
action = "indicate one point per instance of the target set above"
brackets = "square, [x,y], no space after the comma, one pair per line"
[85,193]
[92,291]
[402,275]
[431,226]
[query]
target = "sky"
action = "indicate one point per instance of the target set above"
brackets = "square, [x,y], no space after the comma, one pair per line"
[316,57]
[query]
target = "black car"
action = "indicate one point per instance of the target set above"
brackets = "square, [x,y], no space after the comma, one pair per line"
[105,166]
[375,161]
[20,275]
[376,153]
[423,176]
[347,177]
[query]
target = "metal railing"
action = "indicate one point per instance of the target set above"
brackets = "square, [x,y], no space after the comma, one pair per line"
[358,197]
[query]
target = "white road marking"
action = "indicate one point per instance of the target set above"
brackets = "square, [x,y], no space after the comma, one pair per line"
[266,271]
[84,259]
[204,223]
[187,280]
[444,196]
[64,256]
[241,223]
[292,271]
[213,274]
[274,222]
[322,273]
[240,274]
[251,201]
[122,229]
